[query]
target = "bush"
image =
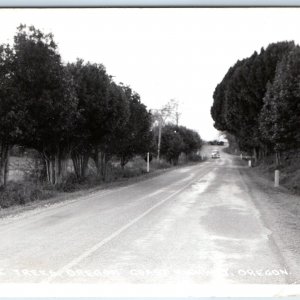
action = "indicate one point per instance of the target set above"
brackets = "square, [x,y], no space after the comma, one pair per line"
[128,173]
[17,193]
[162,164]
[193,157]
[70,184]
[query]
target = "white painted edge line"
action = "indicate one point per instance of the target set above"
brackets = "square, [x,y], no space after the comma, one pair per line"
[97,246]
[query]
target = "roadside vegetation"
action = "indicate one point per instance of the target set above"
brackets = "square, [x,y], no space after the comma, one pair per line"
[257,104]
[69,126]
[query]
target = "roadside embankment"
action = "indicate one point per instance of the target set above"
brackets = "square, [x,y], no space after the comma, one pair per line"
[27,194]
[289,170]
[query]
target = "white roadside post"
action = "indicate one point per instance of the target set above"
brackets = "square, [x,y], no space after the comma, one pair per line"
[276,181]
[148,164]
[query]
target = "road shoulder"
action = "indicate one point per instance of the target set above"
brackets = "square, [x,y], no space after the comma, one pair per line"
[64,198]
[280,210]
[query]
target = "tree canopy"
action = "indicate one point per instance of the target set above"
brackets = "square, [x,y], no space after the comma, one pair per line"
[240,97]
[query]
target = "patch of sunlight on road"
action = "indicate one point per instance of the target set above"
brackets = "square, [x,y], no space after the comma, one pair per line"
[202,184]
[185,203]
[184,170]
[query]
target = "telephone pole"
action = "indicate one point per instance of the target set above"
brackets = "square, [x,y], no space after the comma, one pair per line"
[159,136]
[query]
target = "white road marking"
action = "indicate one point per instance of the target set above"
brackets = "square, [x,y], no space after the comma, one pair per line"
[96,247]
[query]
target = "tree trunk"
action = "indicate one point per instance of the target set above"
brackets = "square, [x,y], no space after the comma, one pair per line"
[101,160]
[254,155]
[80,163]
[124,160]
[95,157]
[4,163]
[103,164]
[56,166]
[60,165]
[277,159]
[122,163]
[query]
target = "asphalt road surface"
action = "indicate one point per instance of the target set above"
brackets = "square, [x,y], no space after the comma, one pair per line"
[209,223]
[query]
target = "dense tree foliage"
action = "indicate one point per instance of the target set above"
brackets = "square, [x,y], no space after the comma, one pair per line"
[102,108]
[279,118]
[240,97]
[177,140]
[171,144]
[9,115]
[191,140]
[134,137]
[47,98]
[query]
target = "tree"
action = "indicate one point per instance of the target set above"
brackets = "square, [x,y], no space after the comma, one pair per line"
[167,114]
[47,99]
[279,118]
[191,140]
[134,137]
[95,112]
[116,115]
[238,99]
[9,115]
[172,144]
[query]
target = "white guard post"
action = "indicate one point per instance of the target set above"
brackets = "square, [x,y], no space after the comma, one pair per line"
[276,181]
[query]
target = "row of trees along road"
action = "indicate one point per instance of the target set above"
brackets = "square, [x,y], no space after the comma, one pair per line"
[258,101]
[65,111]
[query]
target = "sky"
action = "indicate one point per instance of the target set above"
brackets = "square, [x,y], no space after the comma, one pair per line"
[162,53]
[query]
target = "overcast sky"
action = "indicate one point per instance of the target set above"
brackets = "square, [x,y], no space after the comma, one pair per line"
[162,54]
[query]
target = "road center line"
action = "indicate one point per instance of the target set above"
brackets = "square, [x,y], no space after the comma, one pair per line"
[96,247]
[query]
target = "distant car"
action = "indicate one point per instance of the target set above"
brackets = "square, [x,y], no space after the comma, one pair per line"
[215,154]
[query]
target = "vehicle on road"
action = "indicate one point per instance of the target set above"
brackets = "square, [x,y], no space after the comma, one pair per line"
[215,154]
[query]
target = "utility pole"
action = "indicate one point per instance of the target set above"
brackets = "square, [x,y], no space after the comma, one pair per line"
[159,136]
[159,119]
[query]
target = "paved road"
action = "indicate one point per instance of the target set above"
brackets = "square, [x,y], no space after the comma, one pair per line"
[198,224]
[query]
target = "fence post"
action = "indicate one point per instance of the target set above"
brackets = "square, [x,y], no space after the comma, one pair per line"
[276,180]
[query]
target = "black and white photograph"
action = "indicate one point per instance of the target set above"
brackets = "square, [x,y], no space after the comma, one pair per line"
[156,149]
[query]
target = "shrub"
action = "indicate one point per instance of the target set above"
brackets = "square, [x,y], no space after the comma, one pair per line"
[193,157]
[162,164]
[70,184]
[128,173]
[17,193]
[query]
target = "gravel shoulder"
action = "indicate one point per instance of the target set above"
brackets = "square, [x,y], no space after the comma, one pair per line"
[280,211]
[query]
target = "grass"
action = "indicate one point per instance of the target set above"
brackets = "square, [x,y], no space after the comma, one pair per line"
[25,191]
[289,171]
[20,193]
